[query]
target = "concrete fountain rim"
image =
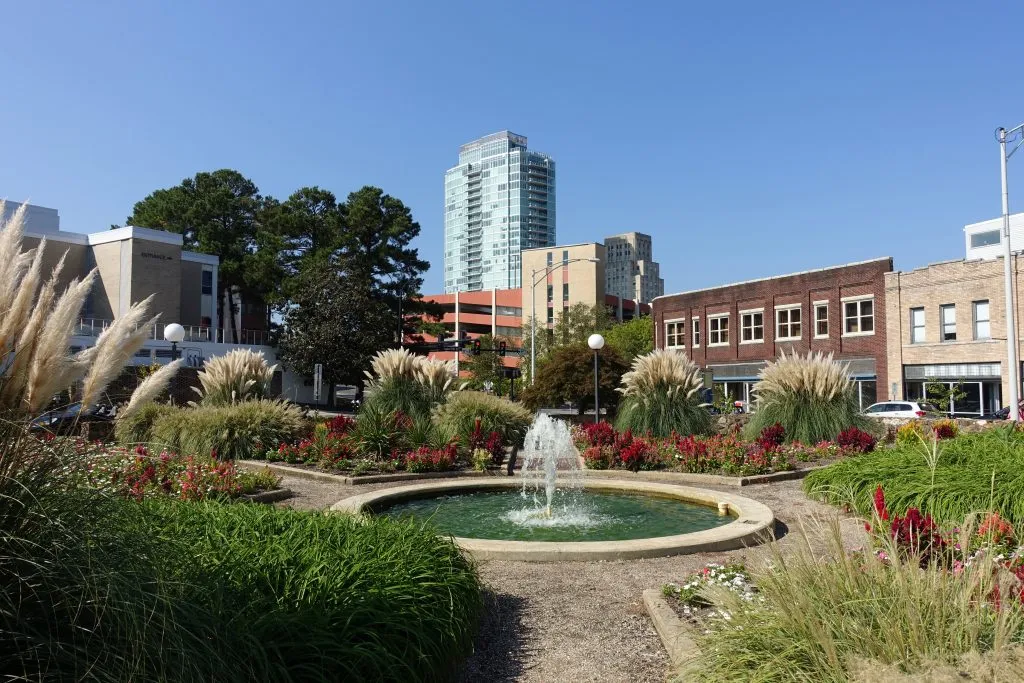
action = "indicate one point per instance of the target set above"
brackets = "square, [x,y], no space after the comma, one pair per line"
[754,522]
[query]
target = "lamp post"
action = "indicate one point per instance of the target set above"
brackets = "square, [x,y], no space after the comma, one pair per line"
[1011,324]
[596,342]
[544,272]
[175,334]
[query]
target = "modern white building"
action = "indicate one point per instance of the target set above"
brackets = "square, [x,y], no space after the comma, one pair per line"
[499,200]
[984,240]
[631,272]
[37,218]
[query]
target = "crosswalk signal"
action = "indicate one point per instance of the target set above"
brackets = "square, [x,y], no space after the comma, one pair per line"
[476,347]
[501,348]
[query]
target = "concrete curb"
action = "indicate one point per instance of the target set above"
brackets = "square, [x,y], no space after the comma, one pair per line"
[675,634]
[754,522]
[670,477]
[267,496]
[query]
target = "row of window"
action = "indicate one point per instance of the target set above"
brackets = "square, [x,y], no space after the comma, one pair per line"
[858,319]
[565,292]
[947,322]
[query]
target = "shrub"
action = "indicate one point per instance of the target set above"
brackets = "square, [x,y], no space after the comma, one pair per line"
[811,396]
[598,457]
[972,473]
[377,431]
[857,440]
[772,436]
[236,376]
[137,427]
[659,396]
[460,413]
[231,432]
[911,433]
[597,434]
[480,460]
[945,429]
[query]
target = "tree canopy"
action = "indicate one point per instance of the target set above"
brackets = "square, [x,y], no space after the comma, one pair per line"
[567,375]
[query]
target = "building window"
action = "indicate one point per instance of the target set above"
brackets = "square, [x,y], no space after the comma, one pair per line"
[565,257]
[207,282]
[550,259]
[820,320]
[551,315]
[948,317]
[675,334]
[982,329]
[916,325]
[565,291]
[695,337]
[984,239]
[752,327]
[859,317]
[551,293]
[718,330]
[788,323]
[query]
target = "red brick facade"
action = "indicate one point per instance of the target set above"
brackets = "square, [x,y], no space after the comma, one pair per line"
[806,289]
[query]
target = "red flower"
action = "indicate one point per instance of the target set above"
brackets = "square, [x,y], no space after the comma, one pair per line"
[880,508]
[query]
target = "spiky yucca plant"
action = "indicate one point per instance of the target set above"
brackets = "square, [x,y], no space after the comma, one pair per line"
[238,375]
[811,396]
[659,396]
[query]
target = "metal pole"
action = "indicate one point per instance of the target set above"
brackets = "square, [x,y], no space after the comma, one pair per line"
[1011,324]
[533,327]
[597,408]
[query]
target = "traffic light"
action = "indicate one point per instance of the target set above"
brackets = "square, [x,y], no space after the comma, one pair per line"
[501,348]
[476,347]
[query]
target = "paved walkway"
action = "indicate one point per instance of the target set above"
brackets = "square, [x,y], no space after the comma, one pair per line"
[585,621]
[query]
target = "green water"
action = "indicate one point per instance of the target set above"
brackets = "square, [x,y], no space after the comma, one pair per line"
[577,516]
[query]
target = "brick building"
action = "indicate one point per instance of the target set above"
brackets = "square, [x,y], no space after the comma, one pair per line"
[947,325]
[734,330]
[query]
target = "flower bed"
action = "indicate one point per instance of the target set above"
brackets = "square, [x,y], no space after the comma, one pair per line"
[691,599]
[604,448]
[137,473]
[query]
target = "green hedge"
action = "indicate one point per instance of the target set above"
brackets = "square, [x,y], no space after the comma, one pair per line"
[458,415]
[238,431]
[973,473]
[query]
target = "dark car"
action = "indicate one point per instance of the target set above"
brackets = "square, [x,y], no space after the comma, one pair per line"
[63,420]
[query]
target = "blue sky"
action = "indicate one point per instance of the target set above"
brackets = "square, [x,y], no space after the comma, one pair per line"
[749,139]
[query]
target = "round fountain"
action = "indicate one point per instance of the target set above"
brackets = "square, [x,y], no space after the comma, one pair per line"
[551,511]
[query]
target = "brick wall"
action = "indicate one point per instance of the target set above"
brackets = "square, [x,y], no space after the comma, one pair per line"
[803,289]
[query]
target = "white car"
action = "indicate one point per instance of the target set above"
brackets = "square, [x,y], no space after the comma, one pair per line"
[904,409]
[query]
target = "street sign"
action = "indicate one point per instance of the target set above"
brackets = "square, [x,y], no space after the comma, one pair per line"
[318,380]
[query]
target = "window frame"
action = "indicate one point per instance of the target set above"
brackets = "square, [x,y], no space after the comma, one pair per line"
[751,312]
[787,308]
[719,331]
[923,327]
[943,309]
[987,321]
[859,299]
[677,322]
[695,332]
[818,305]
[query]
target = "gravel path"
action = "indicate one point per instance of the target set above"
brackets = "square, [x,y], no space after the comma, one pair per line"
[585,621]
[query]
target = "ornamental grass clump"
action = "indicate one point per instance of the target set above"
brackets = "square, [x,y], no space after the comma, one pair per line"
[402,381]
[811,396]
[837,615]
[659,397]
[238,375]
[466,412]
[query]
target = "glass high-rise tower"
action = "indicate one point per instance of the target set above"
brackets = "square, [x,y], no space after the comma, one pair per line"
[499,200]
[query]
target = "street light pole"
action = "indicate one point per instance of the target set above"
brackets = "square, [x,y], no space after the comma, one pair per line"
[1011,322]
[533,307]
[596,342]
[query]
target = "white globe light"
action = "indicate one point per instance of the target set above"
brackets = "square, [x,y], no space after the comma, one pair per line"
[174,333]
[596,342]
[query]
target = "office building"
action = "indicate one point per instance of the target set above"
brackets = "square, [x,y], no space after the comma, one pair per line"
[983,240]
[736,330]
[499,200]
[631,272]
[555,278]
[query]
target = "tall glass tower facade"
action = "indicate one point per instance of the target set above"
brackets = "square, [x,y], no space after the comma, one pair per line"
[499,200]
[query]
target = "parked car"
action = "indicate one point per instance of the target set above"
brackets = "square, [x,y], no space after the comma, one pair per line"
[62,420]
[905,409]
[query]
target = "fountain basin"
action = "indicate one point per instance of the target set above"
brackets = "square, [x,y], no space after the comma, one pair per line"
[752,522]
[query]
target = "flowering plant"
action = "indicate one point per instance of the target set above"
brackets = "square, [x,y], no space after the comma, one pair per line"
[426,459]
[691,593]
[599,457]
[856,440]
[945,429]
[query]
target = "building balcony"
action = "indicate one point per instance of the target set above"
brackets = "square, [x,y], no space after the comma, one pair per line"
[94,327]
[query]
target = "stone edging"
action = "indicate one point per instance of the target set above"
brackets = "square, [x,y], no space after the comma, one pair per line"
[670,477]
[675,634]
[754,523]
[271,496]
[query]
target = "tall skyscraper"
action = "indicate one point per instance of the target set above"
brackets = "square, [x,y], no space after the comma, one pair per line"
[499,200]
[631,272]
